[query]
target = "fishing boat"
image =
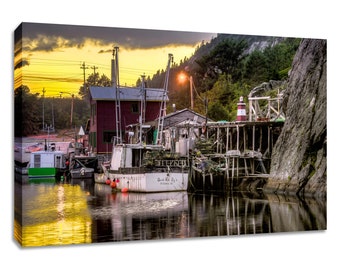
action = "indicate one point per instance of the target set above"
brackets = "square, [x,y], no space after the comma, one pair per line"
[141,166]
[145,168]
[47,163]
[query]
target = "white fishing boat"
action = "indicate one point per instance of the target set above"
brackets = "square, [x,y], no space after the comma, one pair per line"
[145,168]
[142,167]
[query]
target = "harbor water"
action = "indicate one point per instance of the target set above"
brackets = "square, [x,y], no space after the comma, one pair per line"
[82,212]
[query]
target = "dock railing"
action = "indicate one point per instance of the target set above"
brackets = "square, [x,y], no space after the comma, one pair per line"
[273,108]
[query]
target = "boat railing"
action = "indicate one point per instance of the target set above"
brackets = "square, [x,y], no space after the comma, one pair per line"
[171,163]
[131,170]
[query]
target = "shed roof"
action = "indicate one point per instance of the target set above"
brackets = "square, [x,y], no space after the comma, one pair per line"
[126,93]
[180,116]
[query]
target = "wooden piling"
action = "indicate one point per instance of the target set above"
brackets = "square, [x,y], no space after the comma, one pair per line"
[245,149]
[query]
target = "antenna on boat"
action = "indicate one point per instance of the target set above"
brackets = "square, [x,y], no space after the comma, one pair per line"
[162,110]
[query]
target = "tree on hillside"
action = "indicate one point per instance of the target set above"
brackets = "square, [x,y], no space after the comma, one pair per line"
[279,58]
[223,98]
[225,58]
[256,69]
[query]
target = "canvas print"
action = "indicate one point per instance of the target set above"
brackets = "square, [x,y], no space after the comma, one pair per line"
[125,134]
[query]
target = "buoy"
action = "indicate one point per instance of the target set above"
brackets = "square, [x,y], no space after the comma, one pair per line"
[241,110]
[124,190]
[113,185]
[108,181]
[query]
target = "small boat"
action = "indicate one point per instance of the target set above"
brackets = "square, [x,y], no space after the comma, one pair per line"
[82,172]
[34,148]
[46,164]
[82,167]
[21,168]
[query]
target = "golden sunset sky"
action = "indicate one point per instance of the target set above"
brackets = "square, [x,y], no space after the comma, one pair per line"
[53,56]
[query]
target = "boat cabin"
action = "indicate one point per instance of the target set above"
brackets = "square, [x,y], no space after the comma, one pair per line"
[46,163]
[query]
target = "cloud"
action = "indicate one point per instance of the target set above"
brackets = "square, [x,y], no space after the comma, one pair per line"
[50,37]
[21,63]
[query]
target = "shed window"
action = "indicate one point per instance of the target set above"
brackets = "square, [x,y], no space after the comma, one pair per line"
[108,136]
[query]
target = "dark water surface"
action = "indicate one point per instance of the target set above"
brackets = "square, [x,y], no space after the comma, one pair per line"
[79,212]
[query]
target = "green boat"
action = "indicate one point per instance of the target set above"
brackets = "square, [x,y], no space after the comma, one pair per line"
[46,164]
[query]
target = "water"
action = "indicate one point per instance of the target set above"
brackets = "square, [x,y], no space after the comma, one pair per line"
[80,212]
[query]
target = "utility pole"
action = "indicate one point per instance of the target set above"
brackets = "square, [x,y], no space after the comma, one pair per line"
[191,94]
[94,74]
[83,67]
[72,105]
[43,116]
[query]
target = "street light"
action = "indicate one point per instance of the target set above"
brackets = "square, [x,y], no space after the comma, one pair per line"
[72,95]
[183,77]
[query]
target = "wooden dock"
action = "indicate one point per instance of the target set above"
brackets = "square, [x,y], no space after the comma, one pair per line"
[230,152]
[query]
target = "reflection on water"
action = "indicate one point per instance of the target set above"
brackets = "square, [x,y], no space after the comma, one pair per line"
[52,214]
[83,212]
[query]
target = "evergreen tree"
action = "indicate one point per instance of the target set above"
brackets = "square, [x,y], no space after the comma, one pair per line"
[256,69]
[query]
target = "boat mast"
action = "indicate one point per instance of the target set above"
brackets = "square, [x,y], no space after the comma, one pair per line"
[162,110]
[116,86]
[142,109]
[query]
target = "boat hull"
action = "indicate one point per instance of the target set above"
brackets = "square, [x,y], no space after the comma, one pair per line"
[146,182]
[83,173]
[42,172]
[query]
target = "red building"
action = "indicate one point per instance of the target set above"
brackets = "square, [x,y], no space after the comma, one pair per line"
[103,113]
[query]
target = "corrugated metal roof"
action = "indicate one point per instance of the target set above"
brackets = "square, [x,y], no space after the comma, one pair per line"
[126,93]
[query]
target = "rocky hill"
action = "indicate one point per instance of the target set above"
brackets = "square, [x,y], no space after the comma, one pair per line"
[299,158]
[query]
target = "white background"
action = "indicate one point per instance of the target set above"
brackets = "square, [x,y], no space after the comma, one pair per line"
[306,250]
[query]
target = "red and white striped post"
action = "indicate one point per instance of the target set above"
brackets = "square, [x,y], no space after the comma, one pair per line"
[241,110]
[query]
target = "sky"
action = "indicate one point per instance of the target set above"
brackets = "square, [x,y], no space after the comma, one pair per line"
[54,57]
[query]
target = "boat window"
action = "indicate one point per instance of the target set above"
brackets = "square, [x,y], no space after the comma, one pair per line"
[37,161]
[58,161]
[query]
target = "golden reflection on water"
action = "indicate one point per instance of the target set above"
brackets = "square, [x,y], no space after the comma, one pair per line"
[54,215]
[63,214]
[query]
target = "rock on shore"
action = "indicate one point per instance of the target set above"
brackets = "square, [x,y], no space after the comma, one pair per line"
[299,158]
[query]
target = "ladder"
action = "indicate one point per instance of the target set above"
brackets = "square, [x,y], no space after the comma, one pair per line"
[162,109]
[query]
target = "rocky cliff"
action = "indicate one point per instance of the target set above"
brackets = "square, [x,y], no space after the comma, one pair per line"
[299,158]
